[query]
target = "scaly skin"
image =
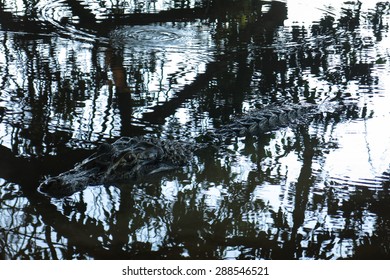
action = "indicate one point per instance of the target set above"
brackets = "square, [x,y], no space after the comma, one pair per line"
[268,119]
[129,159]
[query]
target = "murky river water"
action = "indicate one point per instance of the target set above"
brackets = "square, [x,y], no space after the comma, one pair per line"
[76,74]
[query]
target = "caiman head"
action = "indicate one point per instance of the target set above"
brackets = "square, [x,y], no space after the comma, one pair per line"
[140,160]
[84,174]
[55,187]
[65,184]
[127,159]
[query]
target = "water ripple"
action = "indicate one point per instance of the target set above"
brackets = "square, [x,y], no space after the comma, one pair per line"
[57,14]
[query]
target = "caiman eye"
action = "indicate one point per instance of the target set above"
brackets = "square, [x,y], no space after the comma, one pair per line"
[129,157]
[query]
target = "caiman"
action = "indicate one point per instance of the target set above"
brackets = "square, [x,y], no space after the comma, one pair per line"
[129,159]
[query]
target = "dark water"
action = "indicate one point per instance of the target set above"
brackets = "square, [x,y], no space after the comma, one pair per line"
[74,75]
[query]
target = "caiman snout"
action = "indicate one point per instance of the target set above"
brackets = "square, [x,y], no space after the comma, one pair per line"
[58,188]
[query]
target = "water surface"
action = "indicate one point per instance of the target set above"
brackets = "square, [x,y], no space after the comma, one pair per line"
[76,74]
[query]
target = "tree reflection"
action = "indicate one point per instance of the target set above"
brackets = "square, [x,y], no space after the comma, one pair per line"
[90,74]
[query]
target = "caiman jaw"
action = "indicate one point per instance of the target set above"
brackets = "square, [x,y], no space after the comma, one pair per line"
[127,159]
[58,188]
